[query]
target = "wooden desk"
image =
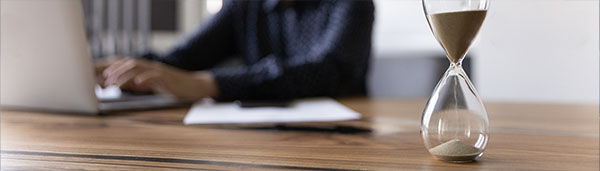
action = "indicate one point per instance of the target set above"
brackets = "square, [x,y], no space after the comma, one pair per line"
[524,137]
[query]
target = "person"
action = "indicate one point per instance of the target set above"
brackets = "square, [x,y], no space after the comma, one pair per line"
[290,49]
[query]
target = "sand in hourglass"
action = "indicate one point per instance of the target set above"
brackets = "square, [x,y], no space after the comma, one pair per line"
[455,151]
[456,30]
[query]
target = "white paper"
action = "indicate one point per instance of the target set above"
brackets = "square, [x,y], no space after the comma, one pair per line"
[308,110]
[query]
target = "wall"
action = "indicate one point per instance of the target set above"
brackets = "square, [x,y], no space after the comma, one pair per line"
[539,51]
[400,27]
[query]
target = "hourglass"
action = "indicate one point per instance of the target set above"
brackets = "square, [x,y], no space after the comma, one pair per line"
[454,125]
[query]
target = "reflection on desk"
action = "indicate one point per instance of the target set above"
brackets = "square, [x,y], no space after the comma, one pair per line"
[523,136]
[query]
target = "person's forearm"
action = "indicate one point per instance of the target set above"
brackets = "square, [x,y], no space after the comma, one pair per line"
[270,80]
[207,80]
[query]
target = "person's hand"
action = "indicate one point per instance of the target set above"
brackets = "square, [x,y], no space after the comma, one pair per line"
[144,75]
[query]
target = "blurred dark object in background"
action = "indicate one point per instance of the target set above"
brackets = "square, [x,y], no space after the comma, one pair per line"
[117,27]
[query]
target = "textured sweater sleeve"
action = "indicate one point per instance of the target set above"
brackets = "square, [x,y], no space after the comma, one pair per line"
[332,67]
[211,44]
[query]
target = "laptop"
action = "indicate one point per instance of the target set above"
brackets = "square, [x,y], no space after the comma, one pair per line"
[45,62]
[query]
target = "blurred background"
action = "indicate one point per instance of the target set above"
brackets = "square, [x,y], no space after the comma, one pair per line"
[536,51]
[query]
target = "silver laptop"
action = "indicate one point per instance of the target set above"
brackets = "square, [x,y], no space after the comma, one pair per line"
[45,63]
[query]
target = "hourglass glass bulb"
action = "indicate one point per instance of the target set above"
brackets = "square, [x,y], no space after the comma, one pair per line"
[454,126]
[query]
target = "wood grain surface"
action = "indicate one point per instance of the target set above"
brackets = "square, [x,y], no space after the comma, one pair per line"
[523,137]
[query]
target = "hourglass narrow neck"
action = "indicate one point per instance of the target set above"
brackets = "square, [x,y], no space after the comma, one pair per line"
[456,64]
[456,69]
